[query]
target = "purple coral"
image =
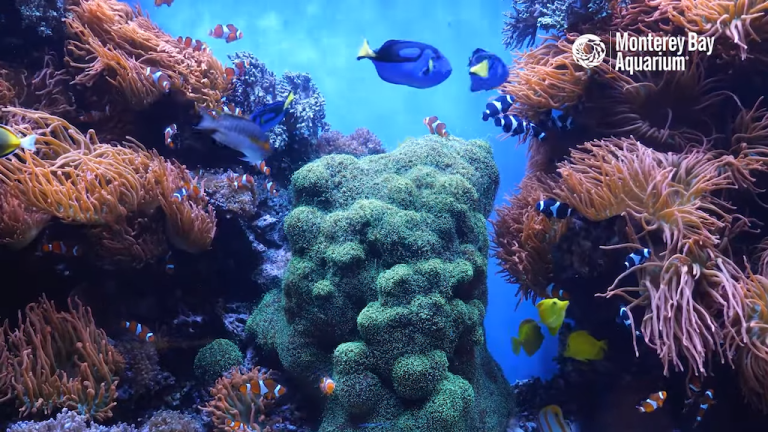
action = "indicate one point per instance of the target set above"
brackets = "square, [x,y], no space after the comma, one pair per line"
[361,142]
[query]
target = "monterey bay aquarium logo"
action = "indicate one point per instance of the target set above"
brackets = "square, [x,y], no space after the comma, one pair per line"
[641,53]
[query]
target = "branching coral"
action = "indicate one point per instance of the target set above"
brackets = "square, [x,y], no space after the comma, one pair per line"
[115,43]
[361,142]
[231,406]
[138,241]
[523,238]
[61,359]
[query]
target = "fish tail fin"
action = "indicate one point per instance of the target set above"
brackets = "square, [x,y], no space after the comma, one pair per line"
[206,122]
[288,100]
[480,69]
[28,142]
[516,344]
[365,51]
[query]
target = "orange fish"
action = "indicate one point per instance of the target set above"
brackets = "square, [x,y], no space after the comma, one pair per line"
[160,78]
[268,388]
[61,248]
[159,3]
[199,46]
[229,34]
[436,126]
[170,131]
[654,402]
[706,400]
[262,166]
[271,187]
[230,73]
[243,182]
[559,293]
[240,67]
[231,109]
[237,426]
[186,42]
[140,331]
[327,385]
[195,189]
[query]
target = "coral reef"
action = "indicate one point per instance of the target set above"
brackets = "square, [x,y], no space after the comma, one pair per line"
[361,142]
[386,288]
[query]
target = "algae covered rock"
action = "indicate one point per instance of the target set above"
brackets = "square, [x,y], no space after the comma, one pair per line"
[386,289]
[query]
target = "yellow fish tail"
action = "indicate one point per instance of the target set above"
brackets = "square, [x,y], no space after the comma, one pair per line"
[288,100]
[480,69]
[553,330]
[365,51]
[516,344]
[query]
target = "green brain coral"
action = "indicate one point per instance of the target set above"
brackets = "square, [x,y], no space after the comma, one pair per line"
[386,290]
[216,358]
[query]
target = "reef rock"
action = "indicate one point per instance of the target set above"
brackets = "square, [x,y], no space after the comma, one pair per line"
[386,288]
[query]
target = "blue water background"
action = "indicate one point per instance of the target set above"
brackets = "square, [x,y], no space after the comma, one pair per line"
[322,38]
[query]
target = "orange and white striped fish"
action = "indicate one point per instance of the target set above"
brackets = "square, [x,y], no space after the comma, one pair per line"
[241,182]
[139,330]
[61,248]
[327,386]
[170,132]
[707,399]
[271,187]
[267,388]
[654,402]
[159,78]
[237,425]
[262,166]
[229,34]
[551,420]
[436,126]
[230,108]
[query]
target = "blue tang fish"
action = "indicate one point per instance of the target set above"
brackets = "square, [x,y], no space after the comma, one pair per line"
[413,64]
[486,71]
[271,115]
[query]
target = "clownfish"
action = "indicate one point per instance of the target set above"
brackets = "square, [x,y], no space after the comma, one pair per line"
[170,131]
[240,66]
[707,399]
[231,109]
[230,34]
[436,126]
[159,78]
[179,195]
[626,319]
[551,207]
[637,257]
[262,166]
[170,266]
[159,3]
[498,106]
[61,248]
[194,189]
[271,187]
[267,388]
[242,182]
[140,331]
[199,46]
[237,425]
[654,402]
[513,125]
[229,72]
[559,293]
[327,385]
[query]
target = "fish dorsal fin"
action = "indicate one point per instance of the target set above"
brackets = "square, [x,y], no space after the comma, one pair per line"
[232,28]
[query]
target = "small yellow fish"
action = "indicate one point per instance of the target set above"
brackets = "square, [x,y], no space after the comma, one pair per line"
[10,142]
[551,420]
[582,346]
[529,337]
[552,313]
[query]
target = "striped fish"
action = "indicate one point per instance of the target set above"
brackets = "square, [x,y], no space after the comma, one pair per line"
[551,420]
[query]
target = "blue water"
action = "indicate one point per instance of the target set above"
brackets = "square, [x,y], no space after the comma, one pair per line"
[322,38]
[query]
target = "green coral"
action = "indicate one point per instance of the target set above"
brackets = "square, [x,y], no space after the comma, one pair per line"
[216,358]
[386,289]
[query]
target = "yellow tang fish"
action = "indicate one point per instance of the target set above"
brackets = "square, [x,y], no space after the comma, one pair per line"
[10,142]
[551,420]
[552,313]
[582,346]
[529,336]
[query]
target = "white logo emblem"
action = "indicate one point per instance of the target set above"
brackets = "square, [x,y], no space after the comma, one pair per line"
[588,50]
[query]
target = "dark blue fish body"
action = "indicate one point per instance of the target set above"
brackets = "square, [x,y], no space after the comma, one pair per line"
[486,71]
[272,114]
[513,125]
[551,207]
[636,258]
[413,64]
[498,106]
